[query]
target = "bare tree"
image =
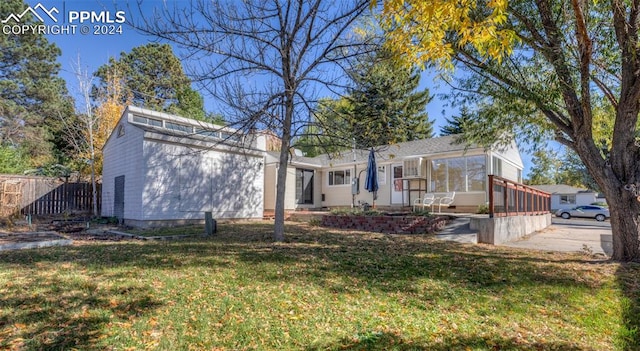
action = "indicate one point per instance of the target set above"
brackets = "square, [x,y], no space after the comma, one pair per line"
[265,61]
[80,133]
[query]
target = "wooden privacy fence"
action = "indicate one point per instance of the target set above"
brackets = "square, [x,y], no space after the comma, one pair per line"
[44,196]
[508,198]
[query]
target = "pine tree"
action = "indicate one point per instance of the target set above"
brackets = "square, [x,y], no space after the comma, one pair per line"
[386,107]
[154,78]
[32,97]
[457,124]
[545,168]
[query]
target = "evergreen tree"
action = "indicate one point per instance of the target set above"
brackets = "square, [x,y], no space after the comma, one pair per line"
[154,78]
[386,108]
[330,131]
[32,97]
[545,167]
[457,124]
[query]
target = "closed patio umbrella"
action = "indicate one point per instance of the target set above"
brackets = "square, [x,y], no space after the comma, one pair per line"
[371,183]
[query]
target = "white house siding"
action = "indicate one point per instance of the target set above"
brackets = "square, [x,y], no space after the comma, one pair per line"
[511,162]
[122,155]
[290,196]
[291,203]
[338,195]
[183,182]
[270,171]
[511,154]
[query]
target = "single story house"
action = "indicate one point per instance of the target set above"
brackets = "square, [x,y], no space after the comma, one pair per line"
[406,171]
[565,196]
[163,169]
[160,169]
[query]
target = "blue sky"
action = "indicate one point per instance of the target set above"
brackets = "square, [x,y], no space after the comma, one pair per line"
[94,50]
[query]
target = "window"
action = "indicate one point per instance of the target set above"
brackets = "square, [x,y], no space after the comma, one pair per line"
[340,177]
[208,133]
[382,174]
[476,173]
[458,174]
[412,168]
[178,127]
[497,166]
[439,175]
[149,121]
[304,186]
[568,199]
[230,136]
[120,130]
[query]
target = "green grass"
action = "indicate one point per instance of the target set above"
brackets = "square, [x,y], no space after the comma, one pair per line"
[320,290]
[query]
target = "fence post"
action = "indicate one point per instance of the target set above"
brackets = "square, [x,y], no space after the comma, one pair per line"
[491,209]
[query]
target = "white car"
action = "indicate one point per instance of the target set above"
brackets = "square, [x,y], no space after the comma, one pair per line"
[588,211]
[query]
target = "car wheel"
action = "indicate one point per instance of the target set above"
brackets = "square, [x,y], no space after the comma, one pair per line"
[600,217]
[565,215]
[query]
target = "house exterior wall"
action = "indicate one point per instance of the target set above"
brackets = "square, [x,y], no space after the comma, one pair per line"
[173,177]
[122,157]
[181,183]
[340,195]
[581,200]
[291,202]
[512,164]
[270,171]
[290,196]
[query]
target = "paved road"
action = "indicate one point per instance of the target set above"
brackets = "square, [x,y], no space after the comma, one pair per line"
[570,235]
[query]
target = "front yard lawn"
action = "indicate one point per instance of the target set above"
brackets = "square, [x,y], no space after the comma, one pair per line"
[321,290]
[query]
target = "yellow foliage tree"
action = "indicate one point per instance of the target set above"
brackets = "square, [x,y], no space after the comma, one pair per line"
[418,29]
[573,72]
[111,102]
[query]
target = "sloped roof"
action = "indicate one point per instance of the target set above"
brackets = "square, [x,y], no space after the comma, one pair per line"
[399,151]
[561,189]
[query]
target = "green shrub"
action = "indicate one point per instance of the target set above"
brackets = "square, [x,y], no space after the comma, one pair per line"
[483,209]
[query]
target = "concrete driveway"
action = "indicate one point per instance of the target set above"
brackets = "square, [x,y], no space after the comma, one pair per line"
[583,235]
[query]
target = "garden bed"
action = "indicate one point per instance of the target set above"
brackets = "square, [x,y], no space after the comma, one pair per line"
[387,223]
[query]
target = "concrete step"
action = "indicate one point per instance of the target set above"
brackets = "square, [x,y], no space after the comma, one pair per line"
[458,230]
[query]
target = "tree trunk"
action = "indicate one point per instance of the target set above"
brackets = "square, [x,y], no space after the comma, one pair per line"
[625,225]
[278,228]
[617,177]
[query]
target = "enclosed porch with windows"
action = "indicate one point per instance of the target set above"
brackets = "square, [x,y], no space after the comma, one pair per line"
[457,183]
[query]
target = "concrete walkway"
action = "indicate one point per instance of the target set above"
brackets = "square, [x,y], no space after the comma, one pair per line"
[458,230]
[573,235]
[569,236]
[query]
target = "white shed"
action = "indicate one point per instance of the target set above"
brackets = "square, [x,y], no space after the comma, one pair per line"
[161,169]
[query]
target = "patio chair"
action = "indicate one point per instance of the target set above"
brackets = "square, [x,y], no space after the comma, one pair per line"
[446,200]
[427,200]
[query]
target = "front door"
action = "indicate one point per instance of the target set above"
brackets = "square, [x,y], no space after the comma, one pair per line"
[118,198]
[397,197]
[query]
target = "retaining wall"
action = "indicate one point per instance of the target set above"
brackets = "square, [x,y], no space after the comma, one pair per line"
[387,224]
[499,230]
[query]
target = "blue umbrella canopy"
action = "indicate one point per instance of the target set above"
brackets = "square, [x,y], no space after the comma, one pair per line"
[371,183]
